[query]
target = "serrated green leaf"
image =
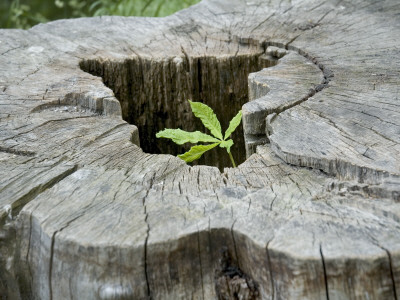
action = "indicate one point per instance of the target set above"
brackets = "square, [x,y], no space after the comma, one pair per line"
[233,124]
[208,117]
[196,152]
[180,137]
[227,144]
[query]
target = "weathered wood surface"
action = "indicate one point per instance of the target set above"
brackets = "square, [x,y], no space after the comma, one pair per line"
[314,213]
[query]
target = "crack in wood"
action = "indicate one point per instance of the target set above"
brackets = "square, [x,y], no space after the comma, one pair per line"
[146,271]
[35,191]
[392,274]
[271,274]
[325,273]
[17,152]
[201,264]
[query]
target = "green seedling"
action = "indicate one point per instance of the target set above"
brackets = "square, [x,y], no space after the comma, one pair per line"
[210,121]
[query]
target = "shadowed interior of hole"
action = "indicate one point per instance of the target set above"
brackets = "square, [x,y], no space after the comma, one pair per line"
[154,95]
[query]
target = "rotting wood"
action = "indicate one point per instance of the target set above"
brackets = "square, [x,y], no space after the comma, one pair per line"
[313,212]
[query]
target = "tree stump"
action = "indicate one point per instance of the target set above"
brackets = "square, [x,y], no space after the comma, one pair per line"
[312,212]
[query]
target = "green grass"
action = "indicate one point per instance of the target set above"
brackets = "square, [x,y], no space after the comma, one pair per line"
[26,13]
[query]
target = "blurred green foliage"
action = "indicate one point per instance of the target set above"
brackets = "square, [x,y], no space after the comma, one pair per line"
[26,13]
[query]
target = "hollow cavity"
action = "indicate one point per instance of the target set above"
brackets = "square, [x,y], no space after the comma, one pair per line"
[154,95]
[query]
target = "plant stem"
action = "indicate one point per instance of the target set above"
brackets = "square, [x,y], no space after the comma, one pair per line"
[232,160]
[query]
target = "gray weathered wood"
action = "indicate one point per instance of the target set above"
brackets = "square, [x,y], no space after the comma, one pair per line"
[312,213]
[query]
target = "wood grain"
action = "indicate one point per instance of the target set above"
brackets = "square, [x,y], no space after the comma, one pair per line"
[312,213]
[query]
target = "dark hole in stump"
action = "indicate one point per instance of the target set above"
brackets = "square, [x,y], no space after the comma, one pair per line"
[231,283]
[154,95]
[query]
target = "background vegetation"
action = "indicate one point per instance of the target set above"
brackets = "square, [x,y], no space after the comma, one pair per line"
[26,13]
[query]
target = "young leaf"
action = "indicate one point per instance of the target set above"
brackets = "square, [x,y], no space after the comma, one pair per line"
[180,137]
[227,144]
[207,116]
[233,124]
[196,152]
